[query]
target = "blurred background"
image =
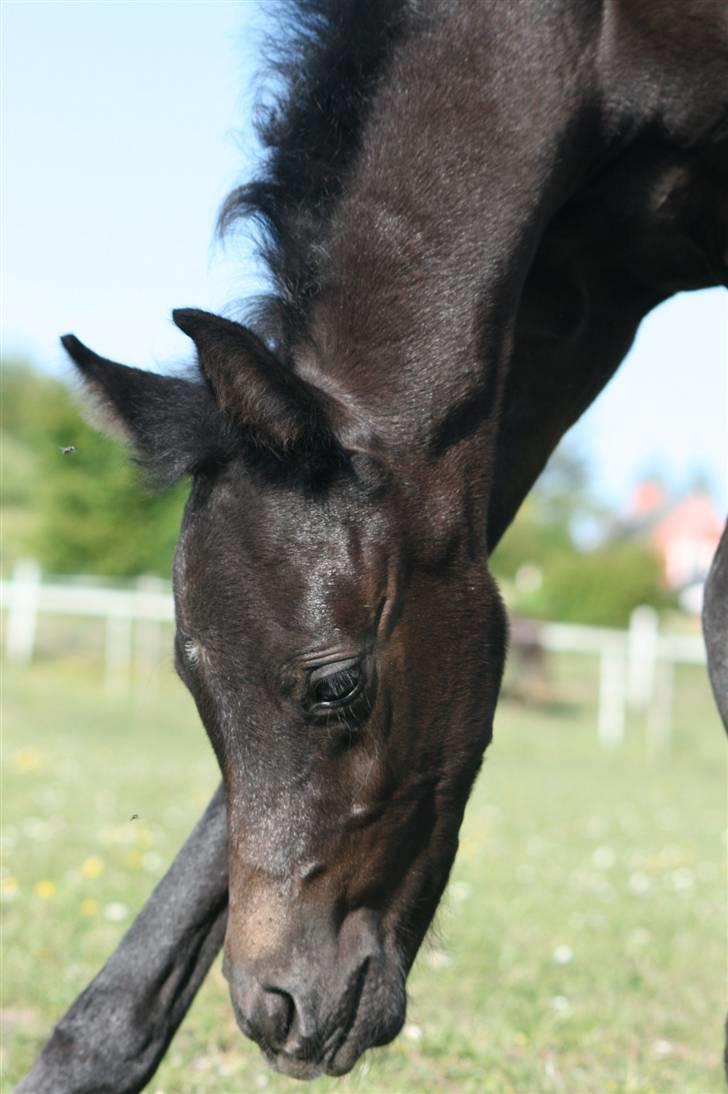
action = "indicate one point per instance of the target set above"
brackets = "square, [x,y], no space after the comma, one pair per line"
[579,944]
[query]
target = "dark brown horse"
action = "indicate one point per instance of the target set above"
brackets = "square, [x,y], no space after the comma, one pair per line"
[468,206]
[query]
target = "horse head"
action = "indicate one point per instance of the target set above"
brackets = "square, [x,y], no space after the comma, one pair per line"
[343,642]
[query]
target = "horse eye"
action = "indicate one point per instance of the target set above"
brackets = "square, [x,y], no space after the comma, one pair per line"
[335,685]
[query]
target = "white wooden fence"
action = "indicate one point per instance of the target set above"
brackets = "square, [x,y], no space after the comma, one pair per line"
[636,670]
[133,615]
[636,666]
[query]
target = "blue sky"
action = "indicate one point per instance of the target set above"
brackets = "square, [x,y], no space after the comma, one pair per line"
[124,126]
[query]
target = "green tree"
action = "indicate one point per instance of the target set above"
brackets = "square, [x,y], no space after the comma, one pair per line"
[600,586]
[86,511]
[544,525]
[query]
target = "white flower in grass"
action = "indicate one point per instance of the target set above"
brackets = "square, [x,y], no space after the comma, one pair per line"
[438,959]
[639,883]
[37,829]
[682,879]
[152,862]
[459,891]
[604,858]
[561,1005]
[552,1072]
[563,954]
[47,797]
[638,938]
[116,912]
[412,1032]
[662,1048]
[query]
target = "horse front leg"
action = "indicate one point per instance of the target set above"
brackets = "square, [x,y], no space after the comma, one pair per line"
[715,626]
[114,1035]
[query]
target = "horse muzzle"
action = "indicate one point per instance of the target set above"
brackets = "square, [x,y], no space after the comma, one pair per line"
[318,1010]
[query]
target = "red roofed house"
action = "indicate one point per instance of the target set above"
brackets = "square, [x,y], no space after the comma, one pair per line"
[685,533]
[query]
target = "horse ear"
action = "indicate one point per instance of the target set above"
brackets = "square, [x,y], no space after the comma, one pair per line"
[171,423]
[279,410]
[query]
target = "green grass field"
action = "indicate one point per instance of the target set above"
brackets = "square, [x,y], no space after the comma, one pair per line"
[580,948]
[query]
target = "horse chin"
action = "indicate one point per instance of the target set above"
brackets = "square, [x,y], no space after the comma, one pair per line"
[364,1035]
[293,1067]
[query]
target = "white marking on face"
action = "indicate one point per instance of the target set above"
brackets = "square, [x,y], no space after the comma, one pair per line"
[193,651]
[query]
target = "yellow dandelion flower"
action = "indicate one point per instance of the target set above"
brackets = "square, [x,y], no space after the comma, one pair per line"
[89,907]
[134,859]
[93,867]
[28,759]
[8,888]
[45,889]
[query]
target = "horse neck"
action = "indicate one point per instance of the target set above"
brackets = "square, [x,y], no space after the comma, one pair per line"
[462,163]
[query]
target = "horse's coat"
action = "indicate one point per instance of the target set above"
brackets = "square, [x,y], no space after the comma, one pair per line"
[469,207]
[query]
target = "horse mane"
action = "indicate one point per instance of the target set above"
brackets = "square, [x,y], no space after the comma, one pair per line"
[323,66]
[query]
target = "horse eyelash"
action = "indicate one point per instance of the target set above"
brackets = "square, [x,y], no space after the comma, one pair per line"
[348,677]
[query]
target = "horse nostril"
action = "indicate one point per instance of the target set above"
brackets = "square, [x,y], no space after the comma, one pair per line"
[274,1016]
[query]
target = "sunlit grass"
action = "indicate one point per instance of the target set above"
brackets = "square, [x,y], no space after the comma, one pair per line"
[580,946]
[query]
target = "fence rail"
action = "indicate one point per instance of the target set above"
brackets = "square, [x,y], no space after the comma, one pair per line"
[636,665]
[636,670]
[134,615]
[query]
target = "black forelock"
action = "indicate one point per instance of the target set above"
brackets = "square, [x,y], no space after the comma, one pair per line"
[326,59]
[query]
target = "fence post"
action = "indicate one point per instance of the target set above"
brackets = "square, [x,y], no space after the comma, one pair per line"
[23,613]
[611,696]
[642,656]
[659,716]
[148,634]
[118,651]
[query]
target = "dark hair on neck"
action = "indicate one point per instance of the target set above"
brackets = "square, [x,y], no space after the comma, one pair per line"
[325,61]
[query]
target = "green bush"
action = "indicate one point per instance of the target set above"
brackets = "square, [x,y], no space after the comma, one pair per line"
[600,587]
